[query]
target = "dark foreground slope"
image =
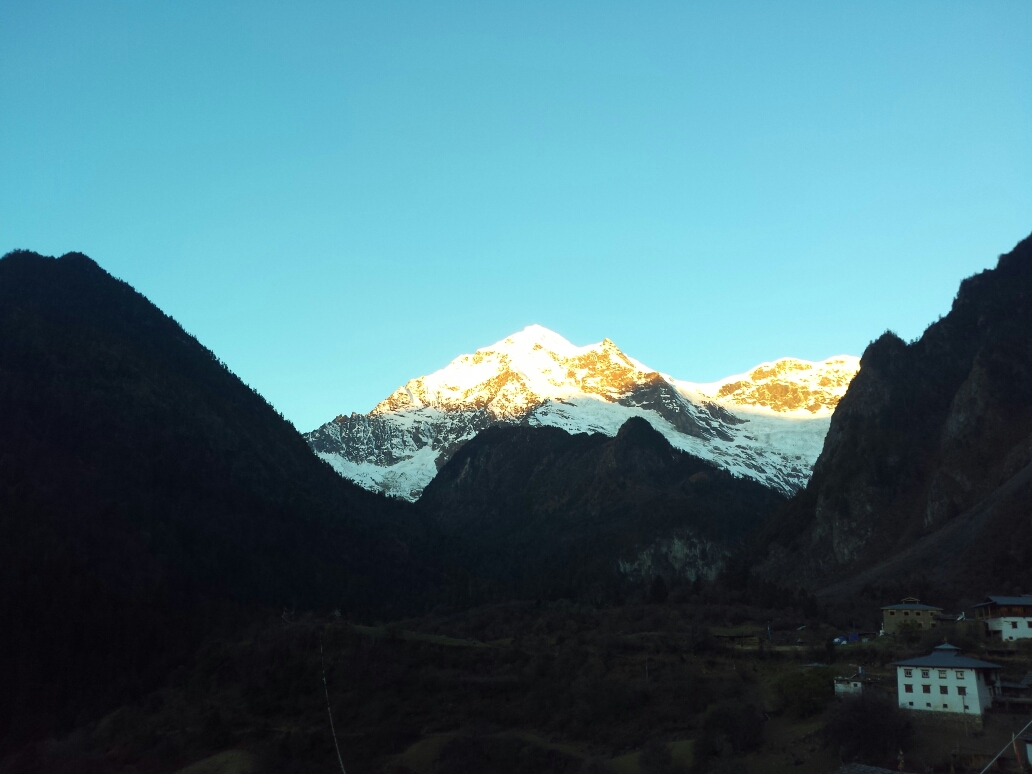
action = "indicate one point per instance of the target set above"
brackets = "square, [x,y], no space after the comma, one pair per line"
[147,495]
[543,513]
[924,477]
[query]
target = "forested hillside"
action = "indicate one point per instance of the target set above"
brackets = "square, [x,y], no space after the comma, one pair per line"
[148,496]
[541,513]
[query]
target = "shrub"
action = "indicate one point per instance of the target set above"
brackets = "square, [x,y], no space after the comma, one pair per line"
[655,758]
[869,729]
[910,634]
[658,592]
[732,723]
[805,693]
[501,755]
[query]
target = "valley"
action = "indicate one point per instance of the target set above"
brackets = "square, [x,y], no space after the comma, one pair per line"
[582,565]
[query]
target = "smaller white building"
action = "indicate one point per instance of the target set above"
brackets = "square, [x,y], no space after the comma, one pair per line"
[945,681]
[851,686]
[1009,618]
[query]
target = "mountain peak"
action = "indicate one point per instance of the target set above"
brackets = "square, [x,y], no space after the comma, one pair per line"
[534,336]
[537,377]
[788,386]
[638,430]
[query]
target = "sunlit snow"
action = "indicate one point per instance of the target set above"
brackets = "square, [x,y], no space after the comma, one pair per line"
[768,424]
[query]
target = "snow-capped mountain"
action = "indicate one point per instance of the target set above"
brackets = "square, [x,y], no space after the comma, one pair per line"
[768,424]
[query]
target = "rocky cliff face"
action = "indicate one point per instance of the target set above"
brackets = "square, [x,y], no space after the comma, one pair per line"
[926,433]
[768,424]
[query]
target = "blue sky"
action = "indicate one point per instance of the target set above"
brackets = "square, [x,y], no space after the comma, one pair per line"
[336,197]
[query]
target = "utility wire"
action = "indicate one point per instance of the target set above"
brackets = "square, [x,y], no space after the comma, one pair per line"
[1001,752]
[328,710]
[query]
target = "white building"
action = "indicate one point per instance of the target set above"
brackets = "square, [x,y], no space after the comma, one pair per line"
[852,686]
[1009,618]
[945,681]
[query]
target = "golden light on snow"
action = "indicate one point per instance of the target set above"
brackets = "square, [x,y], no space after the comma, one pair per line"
[790,385]
[768,424]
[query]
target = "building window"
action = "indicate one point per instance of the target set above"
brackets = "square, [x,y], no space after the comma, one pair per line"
[928,704]
[944,706]
[961,690]
[906,613]
[1014,624]
[1028,624]
[942,674]
[907,688]
[918,613]
[892,612]
[944,689]
[908,672]
[911,704]
[926,689]
[966,707]
[960,674]
[925,673]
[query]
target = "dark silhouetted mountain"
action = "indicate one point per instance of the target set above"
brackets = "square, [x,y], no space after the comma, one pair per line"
[543,513]
[924,476]
[147,494]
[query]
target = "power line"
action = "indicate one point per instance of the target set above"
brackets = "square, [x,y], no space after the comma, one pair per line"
[329,711]
[1001,752]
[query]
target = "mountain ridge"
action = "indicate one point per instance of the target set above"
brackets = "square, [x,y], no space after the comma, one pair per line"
[930,436]
[767,424]
[146,493]
[543,513]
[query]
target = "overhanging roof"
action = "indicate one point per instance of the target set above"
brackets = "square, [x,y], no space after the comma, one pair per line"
[1025,600]
[946,658]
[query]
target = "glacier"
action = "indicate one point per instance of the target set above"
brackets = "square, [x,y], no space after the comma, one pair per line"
[767,424]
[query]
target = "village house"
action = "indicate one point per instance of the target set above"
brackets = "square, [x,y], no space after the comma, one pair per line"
[1027,741]
[854,685]
[910,612]
[1009,618]
[945,681]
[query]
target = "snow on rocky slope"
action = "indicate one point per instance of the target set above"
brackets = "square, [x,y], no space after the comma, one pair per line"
[768,424]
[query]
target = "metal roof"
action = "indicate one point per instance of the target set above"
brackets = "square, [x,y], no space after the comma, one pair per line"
[1024,600]
[910,606]
[947,657]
